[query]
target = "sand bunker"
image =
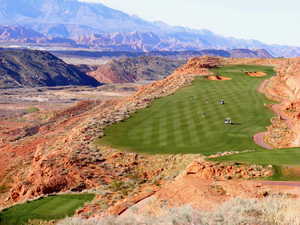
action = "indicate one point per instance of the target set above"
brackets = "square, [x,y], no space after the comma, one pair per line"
[218,78]
[256,74]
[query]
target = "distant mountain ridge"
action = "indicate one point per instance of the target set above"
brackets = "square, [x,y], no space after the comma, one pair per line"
[234,53]
[94,25]
[27,68]
[117,42]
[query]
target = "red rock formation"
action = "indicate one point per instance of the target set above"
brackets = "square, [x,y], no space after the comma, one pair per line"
[199,65]
[109,73]
[125,70]
[202,185]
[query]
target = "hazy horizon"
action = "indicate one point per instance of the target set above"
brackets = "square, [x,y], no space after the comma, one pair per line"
[267,21]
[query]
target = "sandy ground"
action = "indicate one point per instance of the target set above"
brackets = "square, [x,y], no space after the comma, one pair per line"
[17,102]
[259,140]
[86,61]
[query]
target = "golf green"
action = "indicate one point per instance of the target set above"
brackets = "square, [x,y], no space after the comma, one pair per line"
[192,119]
[49,208]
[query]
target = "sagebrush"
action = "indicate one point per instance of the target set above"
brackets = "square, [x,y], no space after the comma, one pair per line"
[271,211]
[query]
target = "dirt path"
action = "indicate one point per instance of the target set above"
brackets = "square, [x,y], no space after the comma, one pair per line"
[282,183]
[259,137]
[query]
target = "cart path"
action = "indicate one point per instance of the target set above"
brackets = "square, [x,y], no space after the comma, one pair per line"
[282,183]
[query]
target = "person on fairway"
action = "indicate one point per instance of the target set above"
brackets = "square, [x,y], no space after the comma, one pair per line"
[227,120]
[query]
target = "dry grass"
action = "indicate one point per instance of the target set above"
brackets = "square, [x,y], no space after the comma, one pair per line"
[271,211]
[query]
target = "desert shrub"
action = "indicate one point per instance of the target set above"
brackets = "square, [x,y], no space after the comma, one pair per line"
[32,110]
[271,211]
[3,188]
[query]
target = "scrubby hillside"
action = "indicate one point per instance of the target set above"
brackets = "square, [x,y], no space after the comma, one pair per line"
[128,70]
[27,68]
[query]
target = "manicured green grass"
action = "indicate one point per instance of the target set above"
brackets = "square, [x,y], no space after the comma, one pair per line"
[267,157]
[281,159]
[192,121]
[49,208]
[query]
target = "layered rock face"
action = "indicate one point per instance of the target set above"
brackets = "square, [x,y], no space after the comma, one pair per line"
[199,65]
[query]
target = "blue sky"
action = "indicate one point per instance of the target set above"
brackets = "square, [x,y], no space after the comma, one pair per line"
[270,21]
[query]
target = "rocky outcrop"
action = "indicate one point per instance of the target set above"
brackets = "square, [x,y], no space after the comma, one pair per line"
[200,180]
[128,70]
[199,65]
[202,185]
[208,170]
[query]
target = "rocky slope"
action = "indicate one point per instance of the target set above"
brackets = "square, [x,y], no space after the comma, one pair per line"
[127,70]
[27,68]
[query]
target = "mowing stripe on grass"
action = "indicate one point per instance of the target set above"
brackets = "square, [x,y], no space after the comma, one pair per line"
[49,208]
[192,121]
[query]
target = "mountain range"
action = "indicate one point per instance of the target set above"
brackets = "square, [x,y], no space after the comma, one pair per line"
[71,23]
